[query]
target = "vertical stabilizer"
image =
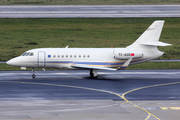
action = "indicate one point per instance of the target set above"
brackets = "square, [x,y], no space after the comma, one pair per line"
[149,40]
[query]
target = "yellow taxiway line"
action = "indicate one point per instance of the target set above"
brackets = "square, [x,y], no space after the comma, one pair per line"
[121,96]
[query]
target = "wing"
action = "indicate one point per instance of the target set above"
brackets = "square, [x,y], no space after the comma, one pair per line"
[89,67]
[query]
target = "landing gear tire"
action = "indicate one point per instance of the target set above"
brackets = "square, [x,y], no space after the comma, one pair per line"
[33,76]
[93,73]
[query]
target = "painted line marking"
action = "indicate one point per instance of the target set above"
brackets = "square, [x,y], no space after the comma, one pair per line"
[170,108]
[164,108]
[149,114]
[174,108]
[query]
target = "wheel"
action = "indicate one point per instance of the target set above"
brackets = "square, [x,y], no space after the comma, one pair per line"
[93,73]
[33,76]
[33,70]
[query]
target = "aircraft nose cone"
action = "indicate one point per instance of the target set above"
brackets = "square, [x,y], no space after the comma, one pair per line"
[14,62]
[10,62]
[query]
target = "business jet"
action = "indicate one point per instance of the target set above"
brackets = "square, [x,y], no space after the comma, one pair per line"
[93,59]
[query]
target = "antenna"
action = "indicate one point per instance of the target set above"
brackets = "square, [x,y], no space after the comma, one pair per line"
[67,46]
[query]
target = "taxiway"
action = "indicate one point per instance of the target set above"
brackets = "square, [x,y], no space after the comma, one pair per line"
[72,95]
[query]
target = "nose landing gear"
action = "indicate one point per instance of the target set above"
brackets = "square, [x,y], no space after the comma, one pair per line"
[33,71]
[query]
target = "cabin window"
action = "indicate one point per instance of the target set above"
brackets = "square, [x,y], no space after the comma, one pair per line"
[70,56]
[74,56]
[84,56]
[58,56]
[62,56]
[79,56]
[66,56]
[54,56]
[88,56]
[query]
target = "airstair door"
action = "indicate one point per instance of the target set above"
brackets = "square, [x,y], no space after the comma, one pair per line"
[41,59]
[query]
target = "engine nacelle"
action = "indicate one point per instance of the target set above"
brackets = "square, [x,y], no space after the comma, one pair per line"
[127,55]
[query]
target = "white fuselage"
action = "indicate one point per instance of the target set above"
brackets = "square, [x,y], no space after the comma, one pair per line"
[66,57]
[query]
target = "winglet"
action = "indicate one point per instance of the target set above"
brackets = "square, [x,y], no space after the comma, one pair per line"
[125,65]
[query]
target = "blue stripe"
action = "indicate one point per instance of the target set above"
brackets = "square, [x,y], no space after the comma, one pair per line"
[138,61]
[98,63]
[90,63]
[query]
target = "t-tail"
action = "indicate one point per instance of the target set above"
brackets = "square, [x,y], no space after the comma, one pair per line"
[147,44]
[149,40]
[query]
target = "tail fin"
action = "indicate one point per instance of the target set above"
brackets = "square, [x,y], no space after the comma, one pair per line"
[149,40]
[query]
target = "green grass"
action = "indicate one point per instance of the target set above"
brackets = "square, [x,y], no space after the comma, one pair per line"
[155,65]
[86,2]
[20,35]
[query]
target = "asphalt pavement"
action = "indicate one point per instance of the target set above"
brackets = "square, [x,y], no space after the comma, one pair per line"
[88,11]
[73,95]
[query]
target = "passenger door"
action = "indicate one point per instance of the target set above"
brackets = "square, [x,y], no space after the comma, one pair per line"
[41,59]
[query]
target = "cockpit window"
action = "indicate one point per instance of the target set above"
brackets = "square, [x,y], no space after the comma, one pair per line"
[24,54]
[28,54]
[31,54]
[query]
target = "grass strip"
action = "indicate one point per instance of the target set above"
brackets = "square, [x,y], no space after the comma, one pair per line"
[20,35]
[155,66]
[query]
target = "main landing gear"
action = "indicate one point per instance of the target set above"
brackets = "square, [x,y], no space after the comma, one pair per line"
[93,73]
[33,70]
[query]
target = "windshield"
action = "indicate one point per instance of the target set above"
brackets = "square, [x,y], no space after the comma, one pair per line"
[28,54]
[24,54]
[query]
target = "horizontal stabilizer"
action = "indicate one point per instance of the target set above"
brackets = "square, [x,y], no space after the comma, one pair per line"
[89,67]
[156,44]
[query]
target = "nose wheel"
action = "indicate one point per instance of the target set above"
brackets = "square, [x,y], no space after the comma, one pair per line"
[33,76]
[33,71]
